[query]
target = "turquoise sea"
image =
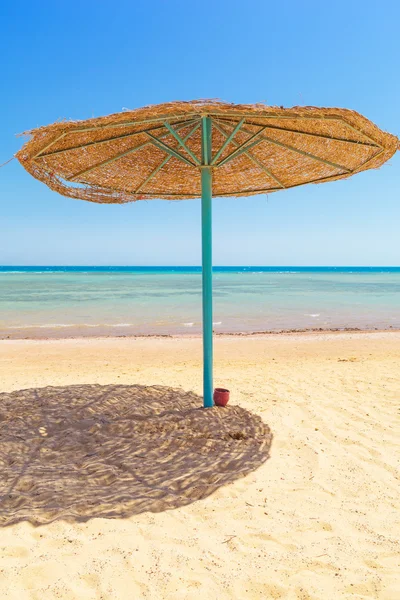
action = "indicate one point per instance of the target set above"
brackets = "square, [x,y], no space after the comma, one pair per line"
[89,301]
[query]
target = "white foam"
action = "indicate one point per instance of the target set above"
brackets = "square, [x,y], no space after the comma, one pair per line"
[312,315]
[188,324]
[61,325]
[46,325]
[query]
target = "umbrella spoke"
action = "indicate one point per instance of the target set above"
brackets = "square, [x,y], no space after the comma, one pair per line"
[106,162]
[371,158]
[253,159]
[57,139]
[227,141]
[157,142]
[308,154]
[153,174]
[243,147]
[181,142]
[164,162]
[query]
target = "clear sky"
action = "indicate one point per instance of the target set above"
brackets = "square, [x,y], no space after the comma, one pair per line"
[71,59]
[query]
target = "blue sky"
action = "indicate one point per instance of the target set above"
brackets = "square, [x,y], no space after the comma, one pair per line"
[83,59]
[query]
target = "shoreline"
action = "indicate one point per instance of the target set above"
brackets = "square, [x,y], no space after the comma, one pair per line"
[281,332]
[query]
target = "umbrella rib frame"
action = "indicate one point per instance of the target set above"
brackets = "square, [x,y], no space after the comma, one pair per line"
[217,121]
[255,160]
[252,158]
[181,142]
[116,157]
[243,192]
[164,162]
[212,114]
[302,152]
[243,147]
[159,144]
[227,141]
[162,146]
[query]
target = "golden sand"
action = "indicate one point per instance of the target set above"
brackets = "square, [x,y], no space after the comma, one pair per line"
[318,519]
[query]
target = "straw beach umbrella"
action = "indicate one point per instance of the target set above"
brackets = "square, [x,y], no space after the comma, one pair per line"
[203,149]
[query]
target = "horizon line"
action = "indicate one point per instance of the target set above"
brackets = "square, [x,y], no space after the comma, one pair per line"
[199,266]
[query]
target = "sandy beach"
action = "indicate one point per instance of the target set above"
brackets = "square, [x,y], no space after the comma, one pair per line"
[312,514]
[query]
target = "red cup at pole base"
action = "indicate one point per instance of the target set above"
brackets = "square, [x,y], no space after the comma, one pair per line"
[221,396]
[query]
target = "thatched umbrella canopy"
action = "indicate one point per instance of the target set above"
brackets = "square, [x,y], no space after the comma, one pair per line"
[132,155]
[240,150]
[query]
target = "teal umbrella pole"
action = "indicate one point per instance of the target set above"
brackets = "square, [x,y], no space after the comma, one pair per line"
[206,238]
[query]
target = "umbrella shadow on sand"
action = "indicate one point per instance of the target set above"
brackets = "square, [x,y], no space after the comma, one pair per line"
[85,451]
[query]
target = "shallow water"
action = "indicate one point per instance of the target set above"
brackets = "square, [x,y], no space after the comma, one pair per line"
[63,301]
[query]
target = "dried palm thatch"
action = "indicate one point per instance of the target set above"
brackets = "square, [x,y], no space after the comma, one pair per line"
[155,151]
